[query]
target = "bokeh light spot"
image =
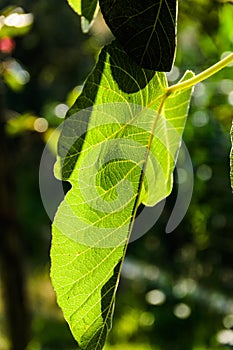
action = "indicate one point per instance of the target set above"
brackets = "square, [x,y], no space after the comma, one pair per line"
[226,86]
[184,287]
[200,118]
[230,97]
[146,319]
[18,20]
[41,125]
[155,297]
[204,172]
[60,110]
[182,311]
[228,321]
[225,337]
[173,75]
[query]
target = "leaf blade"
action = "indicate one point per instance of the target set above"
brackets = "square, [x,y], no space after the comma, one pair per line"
[146,31]
[93,223]
[85,8]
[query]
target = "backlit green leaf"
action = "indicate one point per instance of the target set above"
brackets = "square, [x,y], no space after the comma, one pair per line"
[117,149]
[146,29]
[86,9]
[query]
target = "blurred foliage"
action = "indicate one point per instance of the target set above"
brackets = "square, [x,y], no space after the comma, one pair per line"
[176,289]
[14,22]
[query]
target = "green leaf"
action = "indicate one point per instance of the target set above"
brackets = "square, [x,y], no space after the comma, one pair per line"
[231,158]
[117,149]
[85,8]
[146,30]
[76,6]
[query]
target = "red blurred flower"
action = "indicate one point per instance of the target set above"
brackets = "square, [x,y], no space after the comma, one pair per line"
[7,45]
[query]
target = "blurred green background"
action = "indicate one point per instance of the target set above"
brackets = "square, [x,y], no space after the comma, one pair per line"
[176,289]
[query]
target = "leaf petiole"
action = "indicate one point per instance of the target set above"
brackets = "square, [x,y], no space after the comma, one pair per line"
[201,76]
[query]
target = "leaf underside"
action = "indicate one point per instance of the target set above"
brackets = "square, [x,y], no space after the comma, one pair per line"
[103,150]
[146,30]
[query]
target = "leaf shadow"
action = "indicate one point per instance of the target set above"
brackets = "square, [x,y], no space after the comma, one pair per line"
[74,129]
[108,297]
[130,79]
[129,76]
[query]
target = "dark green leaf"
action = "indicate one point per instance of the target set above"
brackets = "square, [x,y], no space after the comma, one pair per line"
[146,30]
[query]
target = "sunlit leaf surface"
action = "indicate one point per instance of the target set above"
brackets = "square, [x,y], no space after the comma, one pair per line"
[117,149]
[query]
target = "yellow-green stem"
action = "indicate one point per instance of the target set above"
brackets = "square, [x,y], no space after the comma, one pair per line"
[202,76]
